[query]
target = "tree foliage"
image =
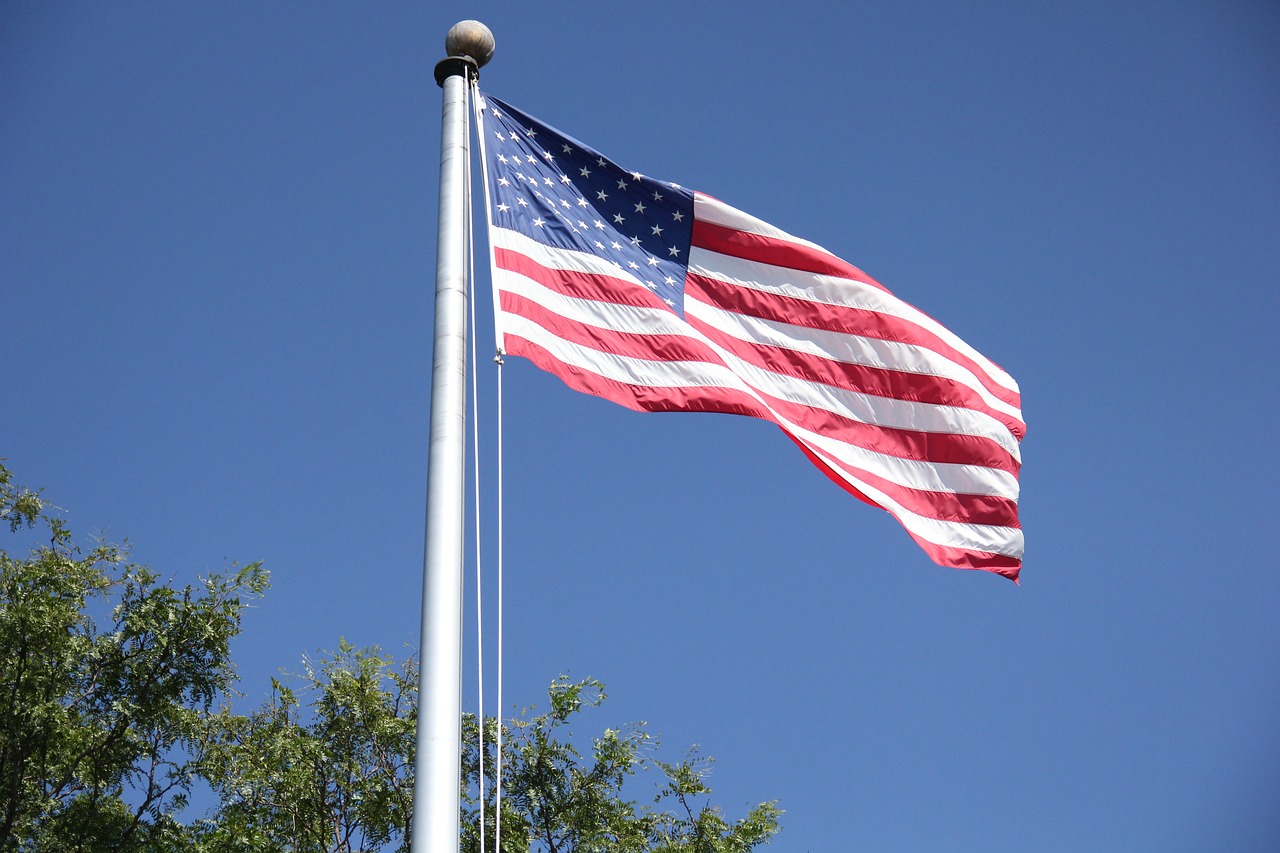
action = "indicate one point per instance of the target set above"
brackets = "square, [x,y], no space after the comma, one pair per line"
[102,717]
[115,704]
[323,767]
[557,799]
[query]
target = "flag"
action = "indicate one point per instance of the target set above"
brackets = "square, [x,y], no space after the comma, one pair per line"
[664,299]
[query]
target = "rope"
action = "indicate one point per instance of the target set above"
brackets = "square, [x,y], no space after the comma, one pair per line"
[477,106]
[498,756]
[475,469]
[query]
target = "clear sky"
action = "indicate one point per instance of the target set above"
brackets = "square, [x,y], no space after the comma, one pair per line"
[217,237]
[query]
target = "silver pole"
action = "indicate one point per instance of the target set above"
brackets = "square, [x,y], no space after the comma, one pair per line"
[438,763]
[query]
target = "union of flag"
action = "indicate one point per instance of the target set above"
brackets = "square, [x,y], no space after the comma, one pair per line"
[664,299]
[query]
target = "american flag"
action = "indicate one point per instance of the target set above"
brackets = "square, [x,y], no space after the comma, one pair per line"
[664,299]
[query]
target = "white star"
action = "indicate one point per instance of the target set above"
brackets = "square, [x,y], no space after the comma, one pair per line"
[677,186]
[599,245]
[615,245]
[548,182]
[675,253]
[602,195]
[618,218]
[504,207]
[502,160]
[539,222]
[501,137]
[582,224]
[585,172]
[668,280]
[635,241]
[564,179]
[598,224]
[530,132]
[531,158]
[564,203]
[522,202]
[600,161]
[622,183]
[503,182]
[514,138]
[637,175]
[633,265]
[678,216]
[546,155]
[582,202]
[651,285]
[657,196]
[639,207]
[657,229]
[566,148]
[669,302]
[652,261]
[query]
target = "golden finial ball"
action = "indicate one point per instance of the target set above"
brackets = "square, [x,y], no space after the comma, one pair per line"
[470,38]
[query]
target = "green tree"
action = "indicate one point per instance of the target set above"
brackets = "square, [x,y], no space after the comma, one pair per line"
[326,767]
[556,799]
[102,718]
[115,693]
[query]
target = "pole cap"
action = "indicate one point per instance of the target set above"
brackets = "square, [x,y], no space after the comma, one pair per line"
[471,39]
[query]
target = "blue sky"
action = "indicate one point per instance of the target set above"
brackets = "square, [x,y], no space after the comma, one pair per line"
[217,236]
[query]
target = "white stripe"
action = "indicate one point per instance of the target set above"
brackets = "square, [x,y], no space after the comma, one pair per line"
[631,319]
[832,290]
[661,374]
[837,292]
[844,348]
[565,259]
[864,408]
[709,209]
[878,411]
[653,373]
[994,539]
[928,476]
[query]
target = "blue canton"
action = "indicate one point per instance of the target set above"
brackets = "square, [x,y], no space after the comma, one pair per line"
[555,190]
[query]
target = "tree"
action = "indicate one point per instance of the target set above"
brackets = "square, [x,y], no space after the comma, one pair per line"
[556,800]
[102,717]
[115,700]
[326,767]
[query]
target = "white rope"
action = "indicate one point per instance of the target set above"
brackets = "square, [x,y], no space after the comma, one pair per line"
[477,106]
[475,469]
[498,756]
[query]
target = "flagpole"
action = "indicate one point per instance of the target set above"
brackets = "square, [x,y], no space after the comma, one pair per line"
[437,764]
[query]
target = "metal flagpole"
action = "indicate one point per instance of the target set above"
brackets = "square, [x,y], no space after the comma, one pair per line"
[437,765]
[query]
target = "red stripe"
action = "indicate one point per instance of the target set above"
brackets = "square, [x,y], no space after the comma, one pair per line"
[976,509]
[943,506]
[778,253]
[862,379]
[931,447]
[641,398]
[979,509]
[845,320]
[672,348]
[580,285]
[902,443]
[956,558]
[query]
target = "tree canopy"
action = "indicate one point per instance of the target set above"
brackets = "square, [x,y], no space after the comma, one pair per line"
[116,711]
